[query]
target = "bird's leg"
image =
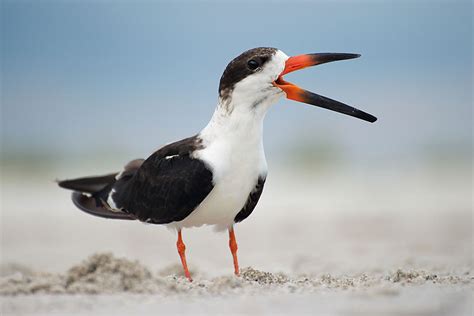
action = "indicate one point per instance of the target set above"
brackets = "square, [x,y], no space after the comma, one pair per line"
[181,249]
[233,249]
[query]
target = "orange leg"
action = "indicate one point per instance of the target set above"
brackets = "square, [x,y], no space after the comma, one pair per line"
[233,249]
[181,249]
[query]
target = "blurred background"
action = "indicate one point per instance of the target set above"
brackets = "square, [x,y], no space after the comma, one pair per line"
[90,85]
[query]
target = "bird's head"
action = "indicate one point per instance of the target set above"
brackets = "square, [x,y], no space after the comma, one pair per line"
[255,79]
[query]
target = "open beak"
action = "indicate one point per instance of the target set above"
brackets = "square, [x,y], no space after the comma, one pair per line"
[294,92]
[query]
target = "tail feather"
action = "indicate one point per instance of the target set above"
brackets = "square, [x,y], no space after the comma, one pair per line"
[89,185]
[92,205]
[90,195]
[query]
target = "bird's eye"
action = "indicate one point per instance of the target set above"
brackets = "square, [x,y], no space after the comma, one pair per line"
[253,64]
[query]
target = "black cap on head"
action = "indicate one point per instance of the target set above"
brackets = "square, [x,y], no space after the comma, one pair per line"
[245,64]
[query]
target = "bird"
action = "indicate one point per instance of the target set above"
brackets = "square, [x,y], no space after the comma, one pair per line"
[217,176]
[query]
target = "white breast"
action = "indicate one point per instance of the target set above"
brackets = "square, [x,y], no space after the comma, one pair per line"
[235,175]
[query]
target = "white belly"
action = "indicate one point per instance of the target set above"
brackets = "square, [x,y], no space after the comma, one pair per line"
[235,175]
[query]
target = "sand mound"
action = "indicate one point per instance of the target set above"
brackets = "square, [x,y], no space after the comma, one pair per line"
[100,273]
[249,274]
[105,274]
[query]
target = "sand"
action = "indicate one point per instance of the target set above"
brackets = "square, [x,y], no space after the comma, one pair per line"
[390,249]
[104,274]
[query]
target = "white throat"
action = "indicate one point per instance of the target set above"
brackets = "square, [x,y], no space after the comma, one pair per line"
[235,121]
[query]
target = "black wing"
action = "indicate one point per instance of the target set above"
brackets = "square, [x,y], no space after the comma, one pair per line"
[252,201]
[168,186]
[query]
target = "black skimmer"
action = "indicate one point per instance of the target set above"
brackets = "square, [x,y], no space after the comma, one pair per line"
[217,176]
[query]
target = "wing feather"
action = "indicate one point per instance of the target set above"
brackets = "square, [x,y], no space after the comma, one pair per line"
[167,187]
[252,201]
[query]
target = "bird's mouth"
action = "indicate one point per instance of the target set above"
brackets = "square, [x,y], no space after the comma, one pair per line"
[293,92]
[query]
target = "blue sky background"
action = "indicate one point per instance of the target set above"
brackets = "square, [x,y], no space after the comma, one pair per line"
[88,77]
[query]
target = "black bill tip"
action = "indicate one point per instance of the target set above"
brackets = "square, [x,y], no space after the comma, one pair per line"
[321,58]
[333,105]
